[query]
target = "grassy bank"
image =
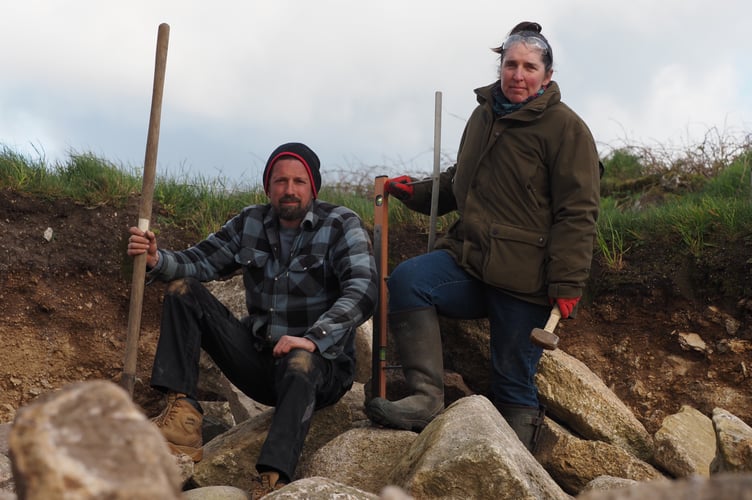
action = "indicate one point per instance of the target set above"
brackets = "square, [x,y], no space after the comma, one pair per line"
[696,197]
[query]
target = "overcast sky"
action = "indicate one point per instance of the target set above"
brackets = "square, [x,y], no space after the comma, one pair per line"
[354,80]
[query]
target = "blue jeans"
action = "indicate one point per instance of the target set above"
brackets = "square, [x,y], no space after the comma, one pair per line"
[436,280]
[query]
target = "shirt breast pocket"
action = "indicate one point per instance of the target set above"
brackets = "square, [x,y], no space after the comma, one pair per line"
[254,264]
[307,275]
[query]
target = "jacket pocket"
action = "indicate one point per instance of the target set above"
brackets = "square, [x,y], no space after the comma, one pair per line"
[516,259]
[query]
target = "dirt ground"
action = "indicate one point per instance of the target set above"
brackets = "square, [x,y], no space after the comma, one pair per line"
[65,286]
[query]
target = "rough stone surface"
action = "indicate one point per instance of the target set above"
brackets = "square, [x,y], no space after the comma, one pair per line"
[685,443]
[215,493]
[319,488]
[360,457]
[88,440]
[4,431]
[721,487]
[588,405]
[364,350]
[574,462]
[466,346]
[457,455]
[469,451]
[230,458]
[354,400]
[602,483]
[734,443]
[6,474]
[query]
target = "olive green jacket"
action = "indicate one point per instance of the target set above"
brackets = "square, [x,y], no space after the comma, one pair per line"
[527,190]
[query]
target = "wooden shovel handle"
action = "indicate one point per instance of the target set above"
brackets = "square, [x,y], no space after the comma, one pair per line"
[128,378]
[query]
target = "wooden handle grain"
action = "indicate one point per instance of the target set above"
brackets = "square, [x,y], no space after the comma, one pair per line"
[128,378]
[553,319]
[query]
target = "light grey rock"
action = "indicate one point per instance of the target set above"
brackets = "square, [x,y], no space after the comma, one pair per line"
[6,475]
[7,485]
[211,380]
[231,292]
[469,451]
[216,493]
[364,352]
[392,492]
[230,458]
[218,418]
[241,406]
[734,443]
[466,346]
[4,431]
[685,443]
[360,457]
[721,487]
[185,465]
[574,462]
[88,440]
[319,488]
[6,472]
[354,400]
[576,396]
[603,483]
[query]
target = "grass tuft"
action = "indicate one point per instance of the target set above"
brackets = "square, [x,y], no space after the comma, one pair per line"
[692,196]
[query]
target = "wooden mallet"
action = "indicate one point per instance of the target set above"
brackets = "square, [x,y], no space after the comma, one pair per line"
[545,337]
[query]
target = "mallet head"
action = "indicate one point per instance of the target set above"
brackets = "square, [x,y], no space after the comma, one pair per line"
[544,339]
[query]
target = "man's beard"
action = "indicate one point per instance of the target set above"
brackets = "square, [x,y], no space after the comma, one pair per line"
[290,212]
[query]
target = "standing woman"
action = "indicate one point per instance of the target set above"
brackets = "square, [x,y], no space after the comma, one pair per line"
[526,186]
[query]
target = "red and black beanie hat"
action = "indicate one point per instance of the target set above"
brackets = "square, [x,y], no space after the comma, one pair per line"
[300,152]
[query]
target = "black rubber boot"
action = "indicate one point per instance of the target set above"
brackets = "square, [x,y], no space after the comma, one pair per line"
[418,341]
[525,421]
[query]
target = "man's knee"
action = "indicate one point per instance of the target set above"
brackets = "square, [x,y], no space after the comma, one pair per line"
[182,286]
[188,291]
[299,361]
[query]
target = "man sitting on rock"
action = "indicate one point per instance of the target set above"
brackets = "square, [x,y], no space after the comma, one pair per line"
[310,280]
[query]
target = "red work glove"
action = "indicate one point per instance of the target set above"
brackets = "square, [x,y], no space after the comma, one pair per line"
[399,187]
[566,305]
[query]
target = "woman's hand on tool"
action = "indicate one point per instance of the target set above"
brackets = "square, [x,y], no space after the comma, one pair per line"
[566,305]
[400,187]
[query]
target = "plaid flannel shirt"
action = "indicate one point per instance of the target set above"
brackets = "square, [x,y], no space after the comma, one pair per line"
[328,287]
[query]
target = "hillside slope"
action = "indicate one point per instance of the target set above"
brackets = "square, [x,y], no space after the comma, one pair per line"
[64,312]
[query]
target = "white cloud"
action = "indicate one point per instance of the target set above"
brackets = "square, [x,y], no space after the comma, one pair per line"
[355,79]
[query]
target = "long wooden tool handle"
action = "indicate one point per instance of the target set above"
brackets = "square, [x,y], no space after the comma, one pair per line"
[128,379]
[381,247]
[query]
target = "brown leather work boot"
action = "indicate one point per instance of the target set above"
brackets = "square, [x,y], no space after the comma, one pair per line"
[180,424]
[264,484]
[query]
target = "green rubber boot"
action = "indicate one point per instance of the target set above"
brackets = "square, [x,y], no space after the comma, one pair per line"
[418,341]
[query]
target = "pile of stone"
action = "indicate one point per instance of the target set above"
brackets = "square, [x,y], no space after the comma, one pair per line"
[88,440]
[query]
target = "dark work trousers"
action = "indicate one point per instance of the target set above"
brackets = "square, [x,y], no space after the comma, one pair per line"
[296,384]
